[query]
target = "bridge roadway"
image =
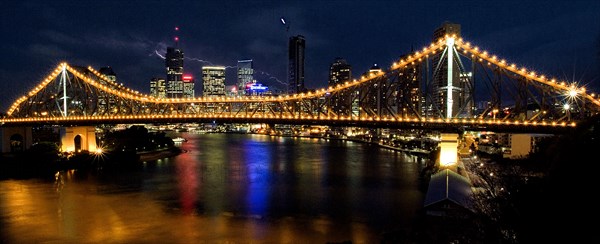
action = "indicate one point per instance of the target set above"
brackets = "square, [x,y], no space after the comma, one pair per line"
[450,125]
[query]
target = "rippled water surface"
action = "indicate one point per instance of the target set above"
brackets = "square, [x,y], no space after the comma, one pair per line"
[226,188]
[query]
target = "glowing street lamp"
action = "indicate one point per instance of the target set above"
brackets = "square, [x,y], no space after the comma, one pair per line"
[567,108]
[494,112]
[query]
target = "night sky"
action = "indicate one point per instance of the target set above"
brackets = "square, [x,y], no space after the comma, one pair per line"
[557,38]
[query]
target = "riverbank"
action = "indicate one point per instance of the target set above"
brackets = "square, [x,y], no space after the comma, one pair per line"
[418,152]
[159,154]
[24,165]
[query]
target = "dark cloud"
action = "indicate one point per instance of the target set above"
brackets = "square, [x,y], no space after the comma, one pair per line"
[59,38]
[113,41]
[261,47]
[45,50]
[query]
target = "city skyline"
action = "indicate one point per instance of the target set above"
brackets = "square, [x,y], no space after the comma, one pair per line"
[537,35]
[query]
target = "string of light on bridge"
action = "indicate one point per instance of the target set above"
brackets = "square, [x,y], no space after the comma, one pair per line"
[455,121]
[569,89]
[135,95]
[419,56]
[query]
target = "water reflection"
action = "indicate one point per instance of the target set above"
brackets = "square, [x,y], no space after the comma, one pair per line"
[187,180]
[226,188]
[257,167]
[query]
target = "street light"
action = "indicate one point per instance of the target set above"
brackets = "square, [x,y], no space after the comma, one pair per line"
[567,108]
[494,112]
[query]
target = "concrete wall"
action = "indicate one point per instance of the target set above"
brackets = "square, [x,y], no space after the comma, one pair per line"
[520,145]
[7,132]
[88,138]
[523,144]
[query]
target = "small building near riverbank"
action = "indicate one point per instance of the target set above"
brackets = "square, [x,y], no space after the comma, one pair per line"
[448,194]
[521,145]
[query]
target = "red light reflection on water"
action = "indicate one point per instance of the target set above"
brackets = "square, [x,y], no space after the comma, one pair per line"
[187,183]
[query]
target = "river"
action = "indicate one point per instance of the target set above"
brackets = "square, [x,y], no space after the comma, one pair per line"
[225,188]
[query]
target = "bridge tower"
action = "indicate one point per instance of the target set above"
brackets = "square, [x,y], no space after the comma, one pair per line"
[78,138]
[450,90]
[15,139]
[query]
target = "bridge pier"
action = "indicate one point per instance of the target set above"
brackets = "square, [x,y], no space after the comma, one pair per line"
[15,139]
[78,138]
[448,150]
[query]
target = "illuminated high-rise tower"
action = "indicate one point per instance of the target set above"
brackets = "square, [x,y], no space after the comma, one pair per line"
[296,47]
[174,64]
[188,86]
[408,95]
[107,101]
[375,98]
[339,72]
[245,73]
[213,79]
[158,88]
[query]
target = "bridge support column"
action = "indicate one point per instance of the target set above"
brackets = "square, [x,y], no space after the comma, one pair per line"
[450,77]
[448,150]
[78,138]
[15,139]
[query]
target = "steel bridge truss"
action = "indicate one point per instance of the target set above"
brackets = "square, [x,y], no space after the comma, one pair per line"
[415,87]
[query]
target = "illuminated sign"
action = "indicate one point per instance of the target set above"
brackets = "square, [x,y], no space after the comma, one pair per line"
[258,87]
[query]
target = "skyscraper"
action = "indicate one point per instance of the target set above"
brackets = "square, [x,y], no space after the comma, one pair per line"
[296,64]
[339,72]
[174,64]
[376,94]
[408,95]
[188,86]
[447,104]
[245,76]
[104,100]
[213,79]
[158,88]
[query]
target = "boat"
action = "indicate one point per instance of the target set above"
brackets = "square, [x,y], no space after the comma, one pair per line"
[179,139]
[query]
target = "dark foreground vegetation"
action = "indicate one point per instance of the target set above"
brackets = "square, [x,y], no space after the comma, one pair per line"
[122,149]
[545,198]
[558,205]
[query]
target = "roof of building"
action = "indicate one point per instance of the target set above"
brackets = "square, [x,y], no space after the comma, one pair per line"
[448,185]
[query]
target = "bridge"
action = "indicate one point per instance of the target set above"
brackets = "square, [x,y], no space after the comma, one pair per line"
[430,89]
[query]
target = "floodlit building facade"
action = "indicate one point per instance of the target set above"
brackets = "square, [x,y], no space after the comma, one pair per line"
[213,79]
